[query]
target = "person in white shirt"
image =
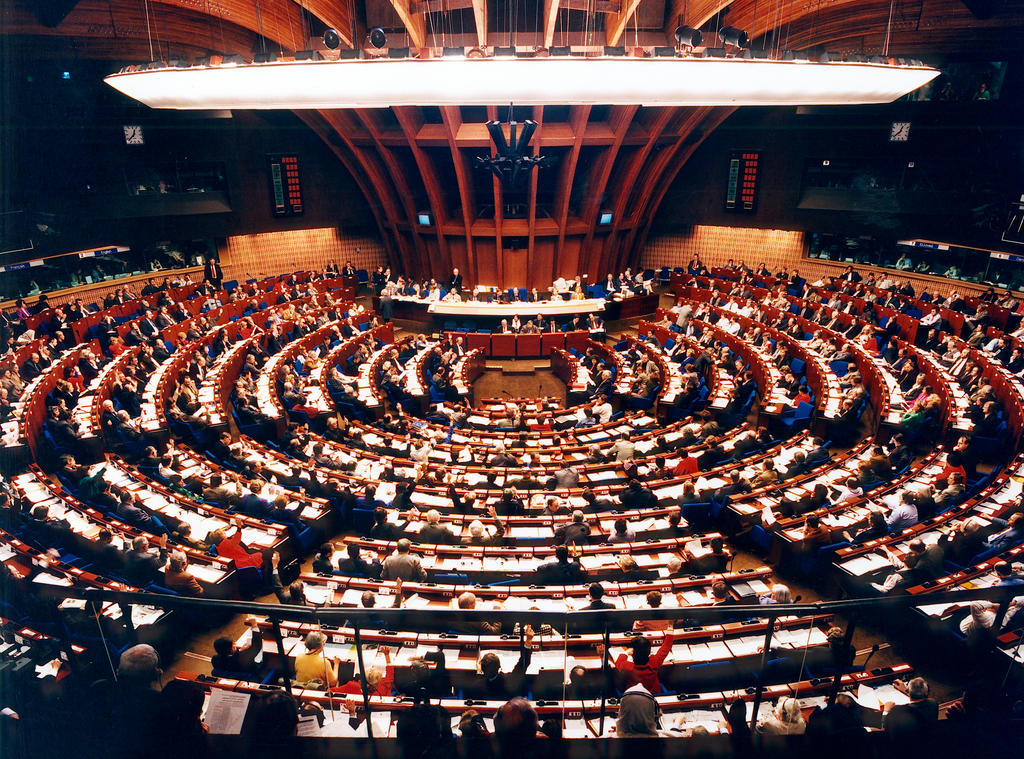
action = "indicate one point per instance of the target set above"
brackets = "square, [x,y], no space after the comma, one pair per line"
[931,319]
[602,410]
[848,490]
[583,377]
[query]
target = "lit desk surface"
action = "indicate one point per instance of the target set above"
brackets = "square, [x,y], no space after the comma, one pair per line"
[524,309]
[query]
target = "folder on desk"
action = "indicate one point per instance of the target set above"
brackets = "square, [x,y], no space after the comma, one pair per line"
[862,565]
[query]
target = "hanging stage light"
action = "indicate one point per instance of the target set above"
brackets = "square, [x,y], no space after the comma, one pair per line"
[378,38]
[332,40]
[687,36]
[731,35]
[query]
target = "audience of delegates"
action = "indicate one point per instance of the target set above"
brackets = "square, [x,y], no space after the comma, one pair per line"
[250,488]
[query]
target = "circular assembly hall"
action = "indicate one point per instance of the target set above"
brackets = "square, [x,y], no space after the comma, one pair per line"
[511,379]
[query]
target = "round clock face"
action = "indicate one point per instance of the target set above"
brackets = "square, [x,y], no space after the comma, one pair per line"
[133,135]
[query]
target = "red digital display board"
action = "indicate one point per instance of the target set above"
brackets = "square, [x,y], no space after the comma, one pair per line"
[285,186]
[741,188]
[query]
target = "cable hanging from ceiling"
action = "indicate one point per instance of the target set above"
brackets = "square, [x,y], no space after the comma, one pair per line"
[888,28]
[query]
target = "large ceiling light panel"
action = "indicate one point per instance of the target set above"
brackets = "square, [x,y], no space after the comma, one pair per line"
[371,83]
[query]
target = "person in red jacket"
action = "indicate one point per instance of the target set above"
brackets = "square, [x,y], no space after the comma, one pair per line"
[643,667]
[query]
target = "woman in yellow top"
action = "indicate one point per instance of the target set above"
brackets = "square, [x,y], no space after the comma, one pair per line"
[313,665]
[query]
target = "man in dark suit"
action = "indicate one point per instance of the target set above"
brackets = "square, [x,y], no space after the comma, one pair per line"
[818,454]
[212,272]
[455,281]
[561,571]
[142,568]
[218,494]
[232,658]
[354,565]
[573,533]
[915,719]
[147,325]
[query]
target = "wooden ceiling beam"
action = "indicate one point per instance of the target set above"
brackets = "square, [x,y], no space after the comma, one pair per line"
[438,6]
[550,17]
[336,15]
[415,23]
[616,24]
[693,13]
[480,17]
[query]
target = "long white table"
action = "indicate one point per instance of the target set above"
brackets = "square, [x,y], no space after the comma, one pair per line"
[524,309]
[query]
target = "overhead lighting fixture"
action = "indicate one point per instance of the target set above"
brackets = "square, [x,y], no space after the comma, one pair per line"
[511,163]
[378,38]
[332,40]
[731,35]
[563,80]
[687,36]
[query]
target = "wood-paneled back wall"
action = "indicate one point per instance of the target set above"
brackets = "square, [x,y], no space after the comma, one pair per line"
[262,255]
[778,248]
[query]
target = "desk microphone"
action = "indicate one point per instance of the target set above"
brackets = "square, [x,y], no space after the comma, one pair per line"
[874,650]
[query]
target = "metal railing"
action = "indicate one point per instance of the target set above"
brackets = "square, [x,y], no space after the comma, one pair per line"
[605,620]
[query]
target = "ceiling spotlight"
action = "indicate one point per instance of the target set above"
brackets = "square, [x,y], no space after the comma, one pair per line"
[377,37]
[332,40]
[687,36]
[731,35]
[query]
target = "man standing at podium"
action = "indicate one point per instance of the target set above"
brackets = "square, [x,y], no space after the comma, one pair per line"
[455,283]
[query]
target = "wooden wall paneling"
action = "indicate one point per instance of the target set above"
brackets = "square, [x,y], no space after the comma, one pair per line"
[578,116]
[451,117]
[544,265]
[262,255]
[569,257]
[487,255]
[707,120]
[418,262]
[499,214]
[315,121]
[343,123]
[411,120]
[532,270]
[620,119]
[624,186]
[515,267]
